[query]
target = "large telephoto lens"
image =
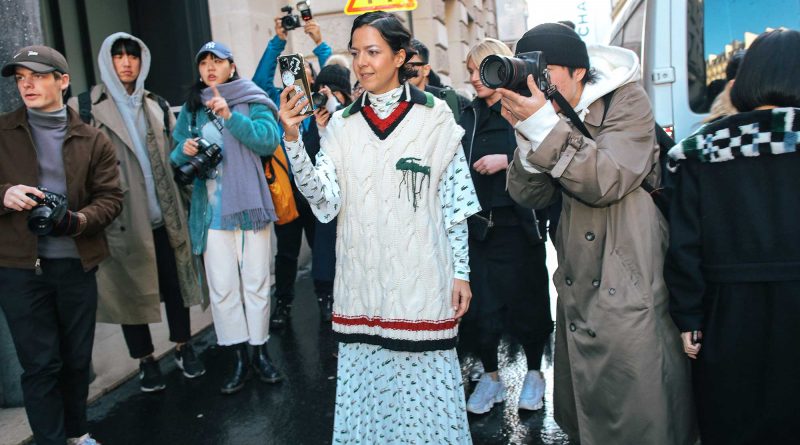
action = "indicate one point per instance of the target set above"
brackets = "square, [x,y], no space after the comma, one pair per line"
[503,72]
[185,173]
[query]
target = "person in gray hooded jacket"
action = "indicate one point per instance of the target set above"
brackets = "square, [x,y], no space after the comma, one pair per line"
[151,256]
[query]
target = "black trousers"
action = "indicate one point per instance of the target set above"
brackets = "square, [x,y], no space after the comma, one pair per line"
[746,378]
[137,336]
[290,238]
[510,294]
[52,318]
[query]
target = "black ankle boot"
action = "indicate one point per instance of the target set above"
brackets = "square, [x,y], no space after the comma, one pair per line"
[325,307]
[234,382]
[282,315]
[265,370]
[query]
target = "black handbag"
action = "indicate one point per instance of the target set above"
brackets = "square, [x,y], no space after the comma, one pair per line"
[479,226]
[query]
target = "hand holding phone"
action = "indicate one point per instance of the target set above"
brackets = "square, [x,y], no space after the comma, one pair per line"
[293,73]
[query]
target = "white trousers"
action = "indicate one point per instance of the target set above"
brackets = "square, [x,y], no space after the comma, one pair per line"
[238,269]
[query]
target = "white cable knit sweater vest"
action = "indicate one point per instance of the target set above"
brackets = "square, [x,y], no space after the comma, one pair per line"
[394,273]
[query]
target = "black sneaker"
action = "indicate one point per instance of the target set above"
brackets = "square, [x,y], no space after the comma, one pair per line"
[282,315]
[325,308]
[150,377]
[188,362]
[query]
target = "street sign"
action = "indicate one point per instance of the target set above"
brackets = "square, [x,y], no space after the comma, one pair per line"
[356,7]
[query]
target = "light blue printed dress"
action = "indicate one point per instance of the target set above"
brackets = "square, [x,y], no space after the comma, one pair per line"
[385,396]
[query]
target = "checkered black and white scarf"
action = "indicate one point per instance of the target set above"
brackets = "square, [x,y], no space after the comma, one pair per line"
[754,133]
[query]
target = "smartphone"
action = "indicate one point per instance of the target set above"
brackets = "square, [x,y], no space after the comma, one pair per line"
[450,96]
[293,72]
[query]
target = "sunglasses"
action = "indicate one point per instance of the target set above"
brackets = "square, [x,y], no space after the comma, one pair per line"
[417,63]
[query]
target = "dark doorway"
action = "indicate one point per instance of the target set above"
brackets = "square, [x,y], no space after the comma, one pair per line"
[173,30]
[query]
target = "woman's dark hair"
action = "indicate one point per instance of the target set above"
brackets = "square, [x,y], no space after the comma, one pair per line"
[393,32]
[767,75]
[193,100]
[126,46]
[733,65]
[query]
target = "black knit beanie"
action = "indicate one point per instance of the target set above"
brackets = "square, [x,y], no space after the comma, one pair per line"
[560,44]
[335,77]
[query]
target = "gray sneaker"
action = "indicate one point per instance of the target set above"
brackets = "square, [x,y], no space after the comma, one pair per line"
[188,362]
[487,393]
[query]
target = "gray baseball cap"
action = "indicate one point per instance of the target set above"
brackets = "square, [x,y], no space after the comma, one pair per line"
[37,58]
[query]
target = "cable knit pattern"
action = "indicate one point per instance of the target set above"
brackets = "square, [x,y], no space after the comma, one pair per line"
[394,269]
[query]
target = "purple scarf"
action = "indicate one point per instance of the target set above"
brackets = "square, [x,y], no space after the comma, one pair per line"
[246,199]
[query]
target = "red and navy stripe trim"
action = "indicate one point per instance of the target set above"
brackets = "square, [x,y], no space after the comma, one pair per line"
[399,324]
[384,127]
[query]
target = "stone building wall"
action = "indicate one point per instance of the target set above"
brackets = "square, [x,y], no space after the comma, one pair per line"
[447,27]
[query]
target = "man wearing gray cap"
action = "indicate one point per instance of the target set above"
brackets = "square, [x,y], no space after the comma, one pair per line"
[59,183]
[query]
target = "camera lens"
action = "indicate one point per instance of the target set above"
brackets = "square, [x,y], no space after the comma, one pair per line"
[40,220]
[319,99]
[495,70]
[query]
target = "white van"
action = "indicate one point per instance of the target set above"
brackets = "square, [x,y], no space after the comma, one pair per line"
[684,45]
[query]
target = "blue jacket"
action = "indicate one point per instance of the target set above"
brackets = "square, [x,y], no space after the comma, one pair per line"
[258,132]
[265,72]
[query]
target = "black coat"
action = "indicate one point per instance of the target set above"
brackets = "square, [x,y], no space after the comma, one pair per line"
[734,221]
[487,132]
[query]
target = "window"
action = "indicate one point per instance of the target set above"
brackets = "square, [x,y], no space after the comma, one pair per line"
[718,28]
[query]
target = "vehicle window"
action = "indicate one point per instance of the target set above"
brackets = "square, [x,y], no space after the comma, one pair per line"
[717,29]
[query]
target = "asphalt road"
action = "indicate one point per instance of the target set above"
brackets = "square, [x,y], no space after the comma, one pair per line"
[298,410]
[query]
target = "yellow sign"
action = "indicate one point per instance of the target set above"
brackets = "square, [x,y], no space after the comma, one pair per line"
[356,7]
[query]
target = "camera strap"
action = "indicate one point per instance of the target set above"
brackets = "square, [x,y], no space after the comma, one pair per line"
[568,111]
[213,118]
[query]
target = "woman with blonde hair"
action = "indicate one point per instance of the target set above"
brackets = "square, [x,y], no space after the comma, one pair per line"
[506,250]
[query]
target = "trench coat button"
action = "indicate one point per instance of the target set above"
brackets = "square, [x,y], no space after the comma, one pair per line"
[121,228]
[612,291]
[589,236]
[568,281]
[591,333]
[572,327]
[596,283]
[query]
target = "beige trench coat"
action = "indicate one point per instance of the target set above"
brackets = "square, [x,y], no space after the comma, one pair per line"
[621,377]
[128,280]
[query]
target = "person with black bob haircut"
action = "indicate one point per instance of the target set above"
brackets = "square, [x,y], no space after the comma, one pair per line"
[392,168]
[231,208]
[734,281]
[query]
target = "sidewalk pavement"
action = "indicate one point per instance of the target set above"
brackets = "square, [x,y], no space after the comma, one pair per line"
[112,364]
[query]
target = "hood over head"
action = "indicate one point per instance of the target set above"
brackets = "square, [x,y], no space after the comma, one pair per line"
[109,76]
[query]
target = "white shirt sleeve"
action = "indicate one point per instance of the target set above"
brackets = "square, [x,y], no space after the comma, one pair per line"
[319,183]
[459,201]
[532,131]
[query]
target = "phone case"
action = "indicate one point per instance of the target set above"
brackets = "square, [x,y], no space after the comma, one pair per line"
[293,72]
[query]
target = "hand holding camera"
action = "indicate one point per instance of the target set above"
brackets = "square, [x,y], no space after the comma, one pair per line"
[18,197]
[292,21]
[50,215]
[523,81]
[203,162]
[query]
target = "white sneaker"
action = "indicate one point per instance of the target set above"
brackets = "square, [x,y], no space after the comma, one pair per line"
[487,393]
[86,439]
[532,396]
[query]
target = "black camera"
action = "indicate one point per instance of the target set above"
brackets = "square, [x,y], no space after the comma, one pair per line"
[290,22]
[319,99]
[48,212]
[201,165]
[512,72]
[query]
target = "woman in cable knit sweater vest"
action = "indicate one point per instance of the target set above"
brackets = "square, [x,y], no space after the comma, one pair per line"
[392,168]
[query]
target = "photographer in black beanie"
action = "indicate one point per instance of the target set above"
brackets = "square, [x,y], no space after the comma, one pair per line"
[620,377]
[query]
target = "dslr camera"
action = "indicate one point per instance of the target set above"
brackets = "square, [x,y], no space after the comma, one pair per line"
[48,212]
[512,73]
[290,22]
[201,165]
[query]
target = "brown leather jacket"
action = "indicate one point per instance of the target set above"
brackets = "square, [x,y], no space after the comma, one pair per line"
[90,163]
